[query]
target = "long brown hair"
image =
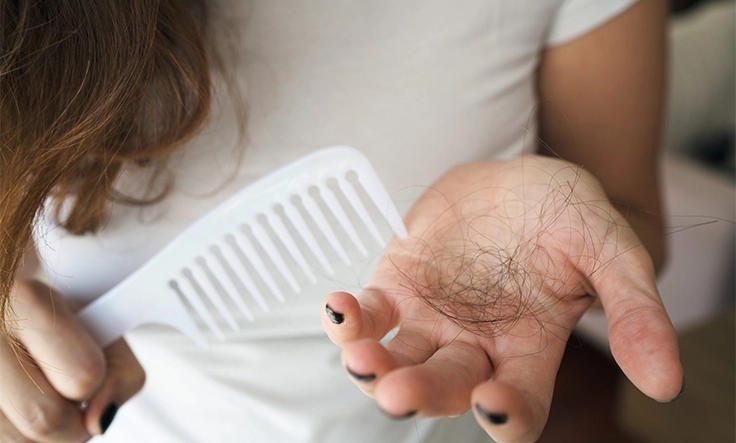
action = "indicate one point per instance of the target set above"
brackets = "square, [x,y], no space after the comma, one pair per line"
[86,87]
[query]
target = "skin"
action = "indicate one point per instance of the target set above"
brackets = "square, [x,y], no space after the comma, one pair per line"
[570,243]
[602,97]
[58,367]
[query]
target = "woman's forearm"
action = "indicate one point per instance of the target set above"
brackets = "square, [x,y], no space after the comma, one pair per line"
[601,107]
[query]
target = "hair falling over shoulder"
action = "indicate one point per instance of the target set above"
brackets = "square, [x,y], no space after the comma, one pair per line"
[85,87]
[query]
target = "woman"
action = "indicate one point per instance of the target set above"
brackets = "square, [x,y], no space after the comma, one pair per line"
[96,93]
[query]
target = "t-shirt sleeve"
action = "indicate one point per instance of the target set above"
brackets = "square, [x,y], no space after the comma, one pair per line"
[577,17]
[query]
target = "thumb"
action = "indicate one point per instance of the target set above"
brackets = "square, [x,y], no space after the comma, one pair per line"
[124,378]
[642,338]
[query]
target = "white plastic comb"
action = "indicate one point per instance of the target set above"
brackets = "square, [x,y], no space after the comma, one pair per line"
[206,261]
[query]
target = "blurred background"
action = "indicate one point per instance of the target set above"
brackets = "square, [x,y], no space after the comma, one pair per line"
[593,401]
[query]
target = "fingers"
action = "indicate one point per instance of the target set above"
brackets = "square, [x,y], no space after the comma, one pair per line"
[358,332]
[32,405]
[433,387]
[125,377]
[412,374]
[66,354]
[366,361]
[63,367]
[345,319]
[374,312]
[507,413]
[9,433]
[642,338]
[439,387]
[36,411]
[514,405]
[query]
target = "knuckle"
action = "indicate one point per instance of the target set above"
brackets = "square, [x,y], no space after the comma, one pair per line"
[88,375]
[12,436]
[632,327]
[44,420]
[9,434]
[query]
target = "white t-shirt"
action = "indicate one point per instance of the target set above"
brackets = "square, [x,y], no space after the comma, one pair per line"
[417,86]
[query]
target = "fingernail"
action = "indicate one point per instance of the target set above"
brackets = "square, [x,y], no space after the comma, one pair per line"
[492,417]
[400,417]
[107,416]
[335,317]
[361,378]
[682,391]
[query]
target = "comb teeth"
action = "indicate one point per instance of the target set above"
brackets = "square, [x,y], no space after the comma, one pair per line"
[234,269]
[252,250]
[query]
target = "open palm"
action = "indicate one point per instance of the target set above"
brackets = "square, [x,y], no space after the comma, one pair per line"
[502,260]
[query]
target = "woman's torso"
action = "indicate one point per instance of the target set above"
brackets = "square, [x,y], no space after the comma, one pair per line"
[416,86]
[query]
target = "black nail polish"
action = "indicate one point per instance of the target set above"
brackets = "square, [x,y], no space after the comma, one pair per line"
[407,415]
[492,417]
[400,417]
[361,378]
[335,317]
[107,415]
[682,391]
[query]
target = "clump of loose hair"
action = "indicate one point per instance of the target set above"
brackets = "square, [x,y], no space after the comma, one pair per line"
[488,284]
[86,88]
[484,290]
